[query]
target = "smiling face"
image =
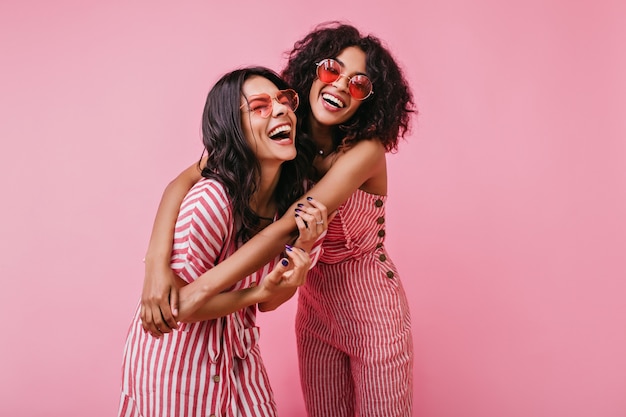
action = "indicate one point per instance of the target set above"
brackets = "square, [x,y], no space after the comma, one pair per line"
[271,138]
[331,104]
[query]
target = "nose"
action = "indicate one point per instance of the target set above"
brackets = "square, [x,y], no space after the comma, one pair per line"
[341,83]
[278,108]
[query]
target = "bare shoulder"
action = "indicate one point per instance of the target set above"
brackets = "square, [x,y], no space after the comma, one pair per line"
[371,154]
[374,146]
[369,150]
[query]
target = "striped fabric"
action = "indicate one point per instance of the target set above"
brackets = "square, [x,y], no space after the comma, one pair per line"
[353,323]
[209,368]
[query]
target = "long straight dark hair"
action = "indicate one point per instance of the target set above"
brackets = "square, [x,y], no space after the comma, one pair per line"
[233,163]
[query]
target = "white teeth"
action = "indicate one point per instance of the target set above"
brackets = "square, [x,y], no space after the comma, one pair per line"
[334,100]
[279,129]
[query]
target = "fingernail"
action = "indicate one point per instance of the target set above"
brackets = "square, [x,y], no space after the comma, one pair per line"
[289,248]
[309,198]
[285,262]
[300,205]
[298,211]
[297,215]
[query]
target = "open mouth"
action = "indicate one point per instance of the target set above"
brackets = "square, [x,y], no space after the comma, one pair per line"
[280,132]
[333,101]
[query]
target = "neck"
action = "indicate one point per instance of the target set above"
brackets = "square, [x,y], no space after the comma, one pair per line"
[263,202]
[322,136]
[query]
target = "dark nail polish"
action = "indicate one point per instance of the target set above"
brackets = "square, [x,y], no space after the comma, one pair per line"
[289,248]
[300,205]
[309,198]
[285,262]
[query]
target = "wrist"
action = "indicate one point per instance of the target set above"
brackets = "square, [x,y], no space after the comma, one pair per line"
[156,260]
[307,247]
[256,295]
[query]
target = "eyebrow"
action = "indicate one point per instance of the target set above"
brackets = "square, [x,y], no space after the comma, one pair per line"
[258,96]
[253,97]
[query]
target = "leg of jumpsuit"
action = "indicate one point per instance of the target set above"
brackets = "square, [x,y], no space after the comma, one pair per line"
[325,377]
[357,307]
[377,329]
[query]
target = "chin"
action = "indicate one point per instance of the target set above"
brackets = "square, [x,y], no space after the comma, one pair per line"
[292,155]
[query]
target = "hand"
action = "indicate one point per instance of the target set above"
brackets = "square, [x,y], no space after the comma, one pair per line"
[159,301]
[280,284]
[312,220]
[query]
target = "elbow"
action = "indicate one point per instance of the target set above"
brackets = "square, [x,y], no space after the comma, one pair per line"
[265,307]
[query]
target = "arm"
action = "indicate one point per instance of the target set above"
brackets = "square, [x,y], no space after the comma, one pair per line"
[312,224]
[351,170]
[159,290]
[276,288]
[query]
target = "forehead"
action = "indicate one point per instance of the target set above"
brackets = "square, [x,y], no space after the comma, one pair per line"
[258,85]
[352,59]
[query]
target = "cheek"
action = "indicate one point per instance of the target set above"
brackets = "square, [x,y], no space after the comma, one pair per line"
[248,131]
[293,118]
[316,87]
[354,106]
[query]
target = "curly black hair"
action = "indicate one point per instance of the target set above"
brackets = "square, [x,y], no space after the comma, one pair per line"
[233,163]
[385,115]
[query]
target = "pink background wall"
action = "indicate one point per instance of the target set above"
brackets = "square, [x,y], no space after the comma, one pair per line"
[507,215]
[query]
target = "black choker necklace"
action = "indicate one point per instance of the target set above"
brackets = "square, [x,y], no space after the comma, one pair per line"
[269,219]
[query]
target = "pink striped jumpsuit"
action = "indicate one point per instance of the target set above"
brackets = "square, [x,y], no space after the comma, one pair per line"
[353,324]
[208,368]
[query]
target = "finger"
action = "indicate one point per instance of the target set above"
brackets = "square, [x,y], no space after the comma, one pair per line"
[157,321]
[148,324]
[144,318]
[155,332]
[276,275]
[174,304]
[299,257]
[306,216]
[302,225]
[318,205]
[317,211]
[167,317]
[301,262]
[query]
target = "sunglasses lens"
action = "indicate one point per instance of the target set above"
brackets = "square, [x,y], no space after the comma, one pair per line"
[328,71]
[288,98]
[261,105]
[360,87]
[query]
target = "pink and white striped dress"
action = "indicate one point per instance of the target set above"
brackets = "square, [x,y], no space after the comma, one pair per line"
[353,323]
[208,368]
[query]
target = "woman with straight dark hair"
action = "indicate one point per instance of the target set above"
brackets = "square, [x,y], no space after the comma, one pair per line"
[212,364]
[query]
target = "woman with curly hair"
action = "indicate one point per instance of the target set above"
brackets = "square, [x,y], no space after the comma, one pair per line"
[353,323]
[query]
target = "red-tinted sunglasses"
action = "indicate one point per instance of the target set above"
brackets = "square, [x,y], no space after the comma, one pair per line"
[263,104]
[359,85]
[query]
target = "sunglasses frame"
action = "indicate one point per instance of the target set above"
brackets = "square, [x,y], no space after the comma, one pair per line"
[340,74]
[296,100]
